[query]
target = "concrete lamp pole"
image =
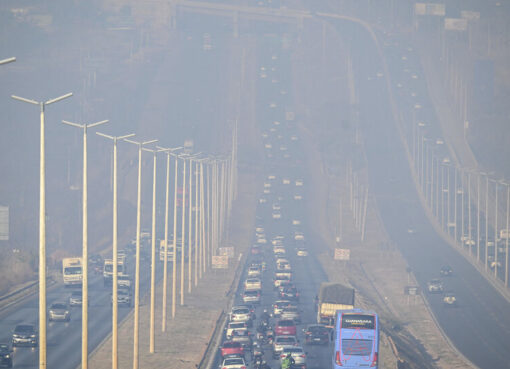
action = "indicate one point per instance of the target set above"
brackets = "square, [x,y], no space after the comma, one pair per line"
[42,226]
[8,60]
[165,261]
[115,307]
[85,284]
[137,262]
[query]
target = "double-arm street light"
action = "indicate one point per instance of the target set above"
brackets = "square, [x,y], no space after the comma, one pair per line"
[115,345]
[42,226]
[8,60]
[84,305]
[137,262]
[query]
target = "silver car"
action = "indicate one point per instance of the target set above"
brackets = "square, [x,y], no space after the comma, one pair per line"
[283,341]
[291,312]
[59,311]
[233,363]
[297,353]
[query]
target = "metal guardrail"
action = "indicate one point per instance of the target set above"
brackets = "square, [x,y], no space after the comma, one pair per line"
[18,291]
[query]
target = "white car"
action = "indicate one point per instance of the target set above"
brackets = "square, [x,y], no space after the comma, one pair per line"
[271,177]
[299,182]
[277,215]
[261,240]
[254,271]
[277,240]
[233,362]
[283,274]
[240,314]
[253,284]
[276,206]
[302,252]
[299,236]
[283,265]
[262,200]
[296,222]
[279,305]
[298,197]
[297,353]
[283,341]
[267,185]
[267,191]
[278,250]
[235,326]
[286,181]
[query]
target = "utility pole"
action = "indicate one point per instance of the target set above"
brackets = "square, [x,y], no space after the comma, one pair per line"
[85,256]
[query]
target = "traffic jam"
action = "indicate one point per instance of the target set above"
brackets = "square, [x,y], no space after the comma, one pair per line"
[272,323]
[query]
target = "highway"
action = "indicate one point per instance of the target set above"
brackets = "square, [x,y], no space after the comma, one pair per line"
[273,79]
[480,326]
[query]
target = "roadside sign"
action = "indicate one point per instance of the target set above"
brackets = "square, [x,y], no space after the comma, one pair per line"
[220,262]
[4,223]
[412,290]
[434,9]
[455,24]
[342,254]
[226,251]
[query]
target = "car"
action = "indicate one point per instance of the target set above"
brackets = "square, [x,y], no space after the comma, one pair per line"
[236,362]
[435,286]
[285,327]
[230,348]
[278,250]
[316,334]
[76,298]
[255,250]
[302,252]
[253,271]
[24,335]
[124,280]
[283,265]
[5,355]
[241,336]
[446,271]
[283,341]
[241,314]
[299,236]
[277,214]
[279,305]
[296,352]
[299,182]
[289,293]
[59,311]
[234,326]
[252,296]
[449,299]
[252,284]
[277,240]
[283,274]
[280,279]
[291,313]
[123,297]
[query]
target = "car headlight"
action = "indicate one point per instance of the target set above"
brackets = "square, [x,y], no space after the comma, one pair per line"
[33,336]
[7,356]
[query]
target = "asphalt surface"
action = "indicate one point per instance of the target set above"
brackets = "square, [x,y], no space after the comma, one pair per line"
[274,98]
[480,325]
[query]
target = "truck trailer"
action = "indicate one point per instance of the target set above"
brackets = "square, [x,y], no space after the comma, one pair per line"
[333,297]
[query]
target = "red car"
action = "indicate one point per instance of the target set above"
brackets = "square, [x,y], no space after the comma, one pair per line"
[230,348]
[285,327]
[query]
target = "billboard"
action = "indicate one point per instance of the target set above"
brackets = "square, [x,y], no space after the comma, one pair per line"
[4,223]
[220,262]
[434,9]
[342,254]
[455,24]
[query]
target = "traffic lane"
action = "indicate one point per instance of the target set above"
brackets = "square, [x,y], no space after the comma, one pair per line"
[64,338]
[481,336]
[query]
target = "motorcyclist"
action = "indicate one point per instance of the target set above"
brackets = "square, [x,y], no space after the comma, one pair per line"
[288,361]
[265,316]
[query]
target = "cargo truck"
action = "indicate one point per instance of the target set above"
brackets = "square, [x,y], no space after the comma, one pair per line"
[108,269]
[72,271]
[333,297]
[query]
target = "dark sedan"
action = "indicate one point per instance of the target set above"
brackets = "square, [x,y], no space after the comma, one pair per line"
[5,355]
[317,334]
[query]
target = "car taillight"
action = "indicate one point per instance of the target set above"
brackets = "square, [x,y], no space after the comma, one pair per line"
[282,356]
[337,359]
[243,367]
[303,355]
[374,361]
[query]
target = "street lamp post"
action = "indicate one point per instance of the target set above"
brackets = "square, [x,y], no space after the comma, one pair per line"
[42,225]
[85,283]
[115,342]
[165,260]
[137,262]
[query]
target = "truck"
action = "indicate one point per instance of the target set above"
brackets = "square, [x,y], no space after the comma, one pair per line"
[169,251]
[333,297]
[108,269]
[72,271]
